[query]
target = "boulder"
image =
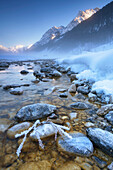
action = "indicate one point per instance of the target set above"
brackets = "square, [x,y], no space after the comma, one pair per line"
[35,111]
[72,89]
[83,89]
[56,73]
[6,87]
[73,115]
[4,64]
[41,165]
[80,105]
[44,130]
[24,72]
[18,129]
[79,144]
[109,117]
[69,166]
[102,138]
[17,91]
[105,109]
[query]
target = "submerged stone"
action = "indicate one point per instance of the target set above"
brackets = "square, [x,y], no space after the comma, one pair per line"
[17,91]
[80,105]
[18,129]
[78,145]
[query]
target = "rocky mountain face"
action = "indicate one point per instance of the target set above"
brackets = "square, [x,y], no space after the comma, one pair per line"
[90,33]
[55,32]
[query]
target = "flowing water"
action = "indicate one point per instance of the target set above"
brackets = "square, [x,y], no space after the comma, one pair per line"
[35,93]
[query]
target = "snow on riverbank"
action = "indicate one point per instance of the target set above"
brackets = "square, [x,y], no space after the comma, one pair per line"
[93,65]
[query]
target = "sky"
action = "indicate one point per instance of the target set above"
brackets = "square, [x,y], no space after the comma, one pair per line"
[25,21]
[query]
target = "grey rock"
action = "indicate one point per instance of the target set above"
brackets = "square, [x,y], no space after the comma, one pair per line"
[109,117]
[45,130]
[78,145]
[78,83]
[83,90]
[89,124]
[4,64]
[102,138]
[110,167]
[38,75]
[46,70]
[92,97]
[80,105]
[24,72]
[65,94]
[56,73]
[72,89]
[6,87]
[99,162]
[80,96]
[105,109]
[17,91]
[35,111]
[18,129]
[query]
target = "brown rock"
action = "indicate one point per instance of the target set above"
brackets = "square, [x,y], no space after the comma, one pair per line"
[40,165]
[69,166]
[9,159]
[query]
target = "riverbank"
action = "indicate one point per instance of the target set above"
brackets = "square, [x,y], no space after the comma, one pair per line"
[77,107]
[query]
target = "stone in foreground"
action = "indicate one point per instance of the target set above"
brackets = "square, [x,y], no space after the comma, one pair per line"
[102,138]
[40,165]
[109,117]
[45,130]
[35,111]
[18,129]
[80,105]
[78,145]
[105,109]
[16,91]
[69,166]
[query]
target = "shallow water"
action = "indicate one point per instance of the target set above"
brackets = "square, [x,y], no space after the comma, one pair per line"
[34,93]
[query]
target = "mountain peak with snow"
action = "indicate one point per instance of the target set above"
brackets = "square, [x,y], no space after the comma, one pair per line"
[81,16]
[54,32]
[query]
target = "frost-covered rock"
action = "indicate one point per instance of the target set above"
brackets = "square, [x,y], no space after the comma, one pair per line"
[18,129]
[4,64]
[17,91]
[83,89]
[38,74]
[35,111]
[80,96]
[65,94]
[45,130]
[109,117]
[105,109]
[72,89]
[6,87]
[78,145]
[102,138]
[89,124]
[50,90]
[110,167]
[24,72]
[56,73]
[92,97]
[80,105]
[73,115]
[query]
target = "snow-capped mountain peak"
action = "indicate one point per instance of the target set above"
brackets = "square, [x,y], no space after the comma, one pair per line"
[81,16]
[50,35]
